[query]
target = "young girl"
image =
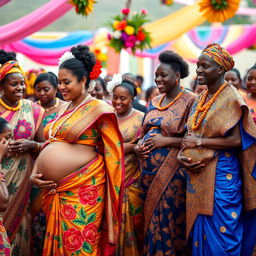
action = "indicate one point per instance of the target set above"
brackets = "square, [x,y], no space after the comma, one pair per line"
[5,134]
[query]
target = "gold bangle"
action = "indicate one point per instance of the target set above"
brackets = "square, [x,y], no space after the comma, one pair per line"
[37,147]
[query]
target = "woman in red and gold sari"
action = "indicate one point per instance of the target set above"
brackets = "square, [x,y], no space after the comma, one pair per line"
[83,162]
[129,121]
[25,118]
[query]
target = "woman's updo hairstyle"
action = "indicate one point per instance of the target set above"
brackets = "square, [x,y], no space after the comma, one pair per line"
[251,68]
[130,86]
[6,56]
[82,64]
[175,61]
[50,77]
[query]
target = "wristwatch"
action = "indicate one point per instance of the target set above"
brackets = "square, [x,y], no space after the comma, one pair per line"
[199,142]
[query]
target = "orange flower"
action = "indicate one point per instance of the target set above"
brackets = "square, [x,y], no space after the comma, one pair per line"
[122,24]
[218,10]
[141,36]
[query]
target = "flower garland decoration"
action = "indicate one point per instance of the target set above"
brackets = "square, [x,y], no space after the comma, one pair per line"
[83,7]
[218,10]
[128,32]
[101,56]
[166,2]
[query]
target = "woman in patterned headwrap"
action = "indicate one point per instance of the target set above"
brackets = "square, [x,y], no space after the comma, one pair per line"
[25,118]
[219,154]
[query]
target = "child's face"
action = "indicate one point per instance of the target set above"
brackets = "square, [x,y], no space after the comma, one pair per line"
[7,132]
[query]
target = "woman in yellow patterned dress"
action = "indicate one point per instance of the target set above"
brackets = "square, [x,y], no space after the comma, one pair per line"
[129,121]
[83,160]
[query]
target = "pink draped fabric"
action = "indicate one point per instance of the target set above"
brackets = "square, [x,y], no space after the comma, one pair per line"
[45,57]
[3,2]
[34,21]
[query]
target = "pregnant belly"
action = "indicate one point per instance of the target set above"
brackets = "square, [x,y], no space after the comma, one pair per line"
[155,158]
[59,159]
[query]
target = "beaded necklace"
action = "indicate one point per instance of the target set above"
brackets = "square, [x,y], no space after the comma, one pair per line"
[170,104]
[11,108]
[205,108]
[57,102]
[51,134]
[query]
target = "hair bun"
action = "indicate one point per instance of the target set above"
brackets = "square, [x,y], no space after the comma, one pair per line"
[82,53]
[6,56]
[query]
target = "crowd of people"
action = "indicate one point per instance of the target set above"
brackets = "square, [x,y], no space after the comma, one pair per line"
[96,166]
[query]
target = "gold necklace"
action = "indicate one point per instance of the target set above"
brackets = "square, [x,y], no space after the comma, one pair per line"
[11,108]
[51,134]
[57,102]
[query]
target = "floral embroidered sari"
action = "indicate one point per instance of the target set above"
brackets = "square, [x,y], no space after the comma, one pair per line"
[164,181]
[83,217]
[17,170]
[5,248]
[131,233]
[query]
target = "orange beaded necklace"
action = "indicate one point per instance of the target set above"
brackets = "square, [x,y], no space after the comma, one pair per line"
[205,108]
[170,104]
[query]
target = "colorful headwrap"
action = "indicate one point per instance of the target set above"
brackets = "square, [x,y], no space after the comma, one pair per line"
[219,55]
[10,67]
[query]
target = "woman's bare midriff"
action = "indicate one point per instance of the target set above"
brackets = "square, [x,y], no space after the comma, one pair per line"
[59,159]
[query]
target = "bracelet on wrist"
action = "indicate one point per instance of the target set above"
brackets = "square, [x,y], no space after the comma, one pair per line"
[37,147]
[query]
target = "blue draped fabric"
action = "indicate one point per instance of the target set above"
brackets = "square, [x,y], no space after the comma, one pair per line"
[67,41]
[230,231]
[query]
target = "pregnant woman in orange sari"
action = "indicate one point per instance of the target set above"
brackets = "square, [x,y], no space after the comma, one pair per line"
[83,160]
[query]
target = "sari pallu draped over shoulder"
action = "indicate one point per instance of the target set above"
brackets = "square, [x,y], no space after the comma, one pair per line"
[228,110]
[163,181]
[25,124]
[87,202]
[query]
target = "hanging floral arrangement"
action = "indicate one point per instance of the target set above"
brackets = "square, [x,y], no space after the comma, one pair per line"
[128,31]
[166,2]
[83,7]
[218,10]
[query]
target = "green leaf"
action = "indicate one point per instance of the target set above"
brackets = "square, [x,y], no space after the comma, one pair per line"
[83,137]
[91,217]
[117,189]
[78,252]
[93,180]
[87,247]
[82,213]
[79,222]
[64,226]
[138,210]
[69,193]
[99,199]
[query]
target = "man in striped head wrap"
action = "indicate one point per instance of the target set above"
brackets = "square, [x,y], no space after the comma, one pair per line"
[219,55]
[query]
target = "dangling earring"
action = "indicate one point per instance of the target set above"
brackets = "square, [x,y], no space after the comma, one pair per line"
[91,86]
[176,82]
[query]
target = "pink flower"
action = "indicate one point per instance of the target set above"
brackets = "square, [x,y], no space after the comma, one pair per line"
[90,233]
[73,239]
[109,36]
[130,42]
[144,11]
[88,195]
[69,212]
[7,252]
[126,11]
[23,130]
